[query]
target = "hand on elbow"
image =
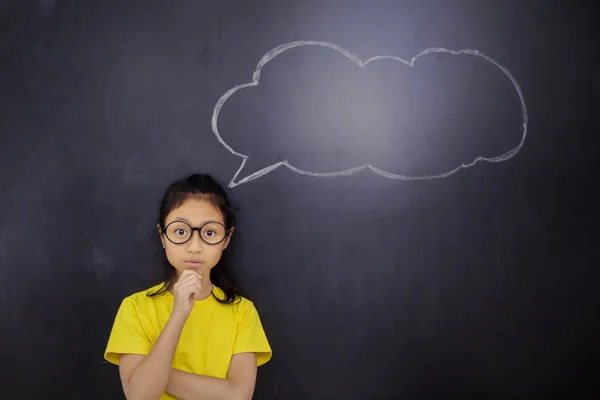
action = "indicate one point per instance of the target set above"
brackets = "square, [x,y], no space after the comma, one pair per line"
[143,394]
[144,397]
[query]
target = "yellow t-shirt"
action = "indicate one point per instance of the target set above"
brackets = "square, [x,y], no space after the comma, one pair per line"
[212,334]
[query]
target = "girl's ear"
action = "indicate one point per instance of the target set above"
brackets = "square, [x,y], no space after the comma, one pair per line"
[228,237]
[160,234]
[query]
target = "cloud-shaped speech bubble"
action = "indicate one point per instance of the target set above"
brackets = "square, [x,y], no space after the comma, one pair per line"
[410,63]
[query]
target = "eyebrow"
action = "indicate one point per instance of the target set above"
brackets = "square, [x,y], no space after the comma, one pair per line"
[188,222]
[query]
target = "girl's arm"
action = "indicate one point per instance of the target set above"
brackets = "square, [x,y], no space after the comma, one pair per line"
[146,377]
[239,384]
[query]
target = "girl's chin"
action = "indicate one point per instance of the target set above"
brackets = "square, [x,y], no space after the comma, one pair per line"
[199,269]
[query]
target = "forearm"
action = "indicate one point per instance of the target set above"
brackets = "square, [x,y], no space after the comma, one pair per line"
[188,386]
[149,379]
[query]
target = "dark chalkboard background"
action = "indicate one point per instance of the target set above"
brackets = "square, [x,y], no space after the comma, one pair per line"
[481,285]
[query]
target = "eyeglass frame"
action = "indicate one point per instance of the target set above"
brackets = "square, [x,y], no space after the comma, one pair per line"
[194,228]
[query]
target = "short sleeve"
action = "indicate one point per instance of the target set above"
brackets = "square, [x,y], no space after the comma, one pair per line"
[127,334]
[251,337]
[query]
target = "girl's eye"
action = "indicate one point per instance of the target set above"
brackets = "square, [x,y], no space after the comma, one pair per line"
[210,233]
[180,232]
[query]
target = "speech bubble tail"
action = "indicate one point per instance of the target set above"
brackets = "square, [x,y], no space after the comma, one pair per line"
[237,178]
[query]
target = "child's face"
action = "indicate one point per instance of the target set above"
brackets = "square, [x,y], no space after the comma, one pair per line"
[194,254]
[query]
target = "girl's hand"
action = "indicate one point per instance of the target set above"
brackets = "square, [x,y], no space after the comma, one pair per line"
[185,292]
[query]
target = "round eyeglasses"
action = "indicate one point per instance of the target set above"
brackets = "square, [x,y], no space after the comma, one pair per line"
[211,232]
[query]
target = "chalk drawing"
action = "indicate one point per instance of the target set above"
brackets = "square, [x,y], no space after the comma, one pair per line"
[410,63]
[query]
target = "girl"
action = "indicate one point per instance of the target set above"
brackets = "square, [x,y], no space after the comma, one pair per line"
[194,336]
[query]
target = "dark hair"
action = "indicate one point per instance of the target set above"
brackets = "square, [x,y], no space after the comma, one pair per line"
[205,187]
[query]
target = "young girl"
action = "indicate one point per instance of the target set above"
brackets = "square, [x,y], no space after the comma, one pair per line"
[194,336]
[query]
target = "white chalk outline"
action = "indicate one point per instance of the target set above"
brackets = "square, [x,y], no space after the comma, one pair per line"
[284,47]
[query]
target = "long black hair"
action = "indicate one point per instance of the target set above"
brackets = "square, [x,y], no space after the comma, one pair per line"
[205,187]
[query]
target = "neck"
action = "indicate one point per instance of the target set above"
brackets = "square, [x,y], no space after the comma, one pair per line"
[205,292]
[207,285]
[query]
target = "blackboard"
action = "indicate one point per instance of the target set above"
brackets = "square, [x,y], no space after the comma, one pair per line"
[416,185]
